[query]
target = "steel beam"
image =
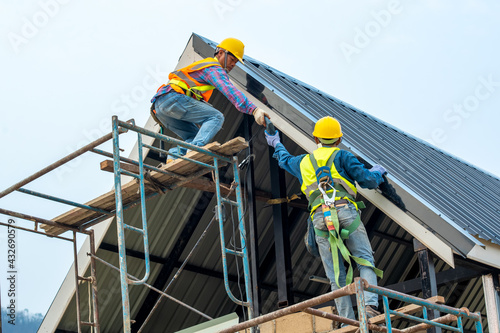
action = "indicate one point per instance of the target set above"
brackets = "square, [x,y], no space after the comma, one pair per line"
[281,235]
[252,221]
[428,280]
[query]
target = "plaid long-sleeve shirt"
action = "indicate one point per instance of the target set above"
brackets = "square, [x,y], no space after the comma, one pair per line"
[217,77]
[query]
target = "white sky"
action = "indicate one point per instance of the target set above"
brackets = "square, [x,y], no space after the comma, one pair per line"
[429,68]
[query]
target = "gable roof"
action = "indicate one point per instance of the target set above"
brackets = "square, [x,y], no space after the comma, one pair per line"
[178,218]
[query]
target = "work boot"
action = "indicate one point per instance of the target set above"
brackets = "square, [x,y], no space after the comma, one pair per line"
[371,311]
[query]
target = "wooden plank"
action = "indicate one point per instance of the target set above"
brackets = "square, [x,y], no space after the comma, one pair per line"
[78,216]
[107,165]
[408,309]
[231,147]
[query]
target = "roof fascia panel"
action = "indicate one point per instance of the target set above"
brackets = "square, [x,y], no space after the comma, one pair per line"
[411,225]
[487,254]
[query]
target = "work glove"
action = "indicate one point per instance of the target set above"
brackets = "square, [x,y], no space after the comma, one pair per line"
[259,116]
[385,187]
[379,168]
[389,192]
[274,139]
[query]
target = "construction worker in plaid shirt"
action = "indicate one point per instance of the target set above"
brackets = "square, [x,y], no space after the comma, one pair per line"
[182,106]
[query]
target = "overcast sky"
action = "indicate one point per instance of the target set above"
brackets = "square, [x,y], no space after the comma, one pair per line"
[427,67]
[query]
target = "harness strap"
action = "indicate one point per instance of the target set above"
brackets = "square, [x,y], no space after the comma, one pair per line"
[196,90]
[339,183]
[334,234]
[328,163]
[345,232]
[337,245]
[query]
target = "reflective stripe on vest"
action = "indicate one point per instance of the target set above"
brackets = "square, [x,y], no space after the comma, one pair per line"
[309,181]
[182,82]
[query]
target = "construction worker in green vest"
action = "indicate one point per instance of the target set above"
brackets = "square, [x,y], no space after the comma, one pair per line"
[328,176]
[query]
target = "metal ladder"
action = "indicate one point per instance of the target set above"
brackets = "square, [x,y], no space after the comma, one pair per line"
[117,128]
[121,225]
[225,251]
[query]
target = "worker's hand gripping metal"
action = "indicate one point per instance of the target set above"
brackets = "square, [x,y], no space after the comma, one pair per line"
[270,127]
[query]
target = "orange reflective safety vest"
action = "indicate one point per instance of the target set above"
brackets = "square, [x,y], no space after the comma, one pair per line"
[182,82]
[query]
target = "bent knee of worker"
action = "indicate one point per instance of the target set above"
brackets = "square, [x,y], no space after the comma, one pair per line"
[365,271]
[217,119]
[323,242]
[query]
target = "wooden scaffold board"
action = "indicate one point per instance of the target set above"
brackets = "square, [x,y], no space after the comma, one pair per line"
[130,191]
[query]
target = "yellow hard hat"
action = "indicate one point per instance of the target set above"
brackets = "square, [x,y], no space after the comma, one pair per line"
[233,45]
[327,128]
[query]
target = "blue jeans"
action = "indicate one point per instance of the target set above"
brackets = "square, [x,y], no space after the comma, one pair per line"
[181,114]
[359,246]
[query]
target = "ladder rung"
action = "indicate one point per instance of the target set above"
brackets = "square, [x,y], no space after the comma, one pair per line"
[81,278]
[233,252]
[141,231]
[231,202]
[124,172]
[85,323]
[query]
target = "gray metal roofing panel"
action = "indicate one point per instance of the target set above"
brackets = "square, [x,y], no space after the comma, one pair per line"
[465,194]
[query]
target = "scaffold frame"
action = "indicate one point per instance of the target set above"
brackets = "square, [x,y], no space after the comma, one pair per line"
[119,127]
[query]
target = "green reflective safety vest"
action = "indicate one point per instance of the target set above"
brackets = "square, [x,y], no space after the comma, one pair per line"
[345,190]
[324,156]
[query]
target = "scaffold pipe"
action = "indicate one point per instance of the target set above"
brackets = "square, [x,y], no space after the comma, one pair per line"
[344,291]
[57,164]
[352,322]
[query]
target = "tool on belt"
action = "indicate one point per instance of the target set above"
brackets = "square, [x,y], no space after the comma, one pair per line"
[334,234]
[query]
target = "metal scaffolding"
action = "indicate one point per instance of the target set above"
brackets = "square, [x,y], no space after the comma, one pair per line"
[118,127]
[357,288]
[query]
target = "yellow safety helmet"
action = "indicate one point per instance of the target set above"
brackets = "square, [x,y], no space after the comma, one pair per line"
[233,45]
[327,128]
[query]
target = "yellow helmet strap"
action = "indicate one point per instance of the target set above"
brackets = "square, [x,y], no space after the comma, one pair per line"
[217,50]
[225,60]
[328,141]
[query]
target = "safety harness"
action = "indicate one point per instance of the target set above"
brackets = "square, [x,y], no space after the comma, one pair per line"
[195,91]
[332,193]
[182,82]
